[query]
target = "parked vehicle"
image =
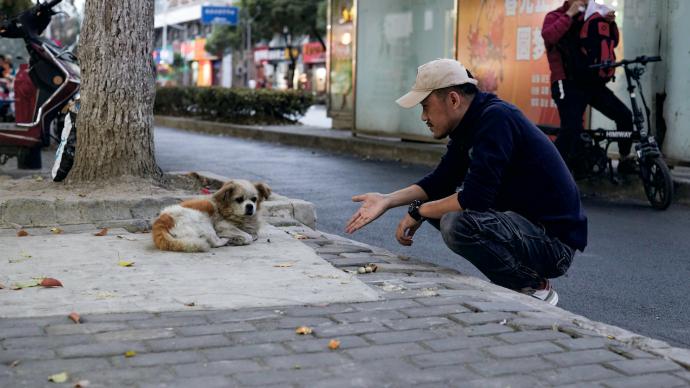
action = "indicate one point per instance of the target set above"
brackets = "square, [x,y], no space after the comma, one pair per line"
[46,94]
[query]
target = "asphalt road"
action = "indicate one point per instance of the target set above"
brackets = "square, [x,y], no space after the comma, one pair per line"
[635,272]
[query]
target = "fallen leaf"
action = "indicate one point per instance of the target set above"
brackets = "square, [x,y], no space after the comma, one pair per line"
[58,378]
[50,282]
[31,283]
[74,317]
[125,237]
[22,233]
[124,263]
[284,265]
[130,353]
[300,236]
[333,344]
[38,178]
[610,337]
[81,195]
[82,384]
[55,230]
[15,363]
[303,330]
[190,304]
[103,232]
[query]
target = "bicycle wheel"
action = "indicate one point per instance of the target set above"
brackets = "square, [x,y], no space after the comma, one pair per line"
[657,181]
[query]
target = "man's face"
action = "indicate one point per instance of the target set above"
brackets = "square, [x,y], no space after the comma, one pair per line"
[437,113]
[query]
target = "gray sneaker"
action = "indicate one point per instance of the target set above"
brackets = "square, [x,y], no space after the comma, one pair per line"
[546,293]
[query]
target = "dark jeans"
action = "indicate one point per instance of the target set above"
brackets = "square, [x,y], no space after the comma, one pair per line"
[507,248]
[572,98]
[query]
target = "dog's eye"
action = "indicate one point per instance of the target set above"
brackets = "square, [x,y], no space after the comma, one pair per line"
[239,200]
[253,199]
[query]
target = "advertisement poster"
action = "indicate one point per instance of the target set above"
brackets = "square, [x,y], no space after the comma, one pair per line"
[500,42]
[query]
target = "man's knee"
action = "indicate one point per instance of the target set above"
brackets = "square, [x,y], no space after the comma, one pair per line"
[456,227]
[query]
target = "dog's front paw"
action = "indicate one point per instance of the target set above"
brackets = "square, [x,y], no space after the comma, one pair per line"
[239,240]
[221,242]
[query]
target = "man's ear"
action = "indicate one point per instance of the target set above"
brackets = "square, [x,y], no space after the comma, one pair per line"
[225,192]
[455,98]
[263,189]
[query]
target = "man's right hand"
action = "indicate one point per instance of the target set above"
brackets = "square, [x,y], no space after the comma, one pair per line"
[575,7]
[373,205]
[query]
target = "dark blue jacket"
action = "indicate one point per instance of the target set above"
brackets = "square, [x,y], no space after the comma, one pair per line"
[497,159]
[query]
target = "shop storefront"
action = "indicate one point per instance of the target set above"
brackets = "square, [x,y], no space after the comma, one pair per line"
[313,77]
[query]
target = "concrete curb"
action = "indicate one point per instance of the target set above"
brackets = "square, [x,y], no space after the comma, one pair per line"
[133,214]
[391,150]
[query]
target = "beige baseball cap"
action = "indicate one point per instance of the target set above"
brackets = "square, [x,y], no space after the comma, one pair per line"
[437,74]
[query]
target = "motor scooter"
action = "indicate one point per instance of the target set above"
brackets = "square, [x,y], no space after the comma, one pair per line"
[46,94]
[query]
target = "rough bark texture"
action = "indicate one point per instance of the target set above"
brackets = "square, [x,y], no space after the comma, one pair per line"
[115,123]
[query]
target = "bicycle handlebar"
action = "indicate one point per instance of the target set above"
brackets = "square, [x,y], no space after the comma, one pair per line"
[643,59]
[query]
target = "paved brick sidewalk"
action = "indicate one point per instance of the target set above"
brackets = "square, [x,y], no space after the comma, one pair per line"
[433,327]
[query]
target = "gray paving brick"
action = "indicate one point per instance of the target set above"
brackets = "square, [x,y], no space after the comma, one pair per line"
[576,374]
[511,366]
[85,328]
[387,305]
[199,381]
[193,320]
[219,328]
[532,336]
[352,261]
[403,336]
[452,374]
[100,349]
[45,341]
[385,351]
[6,323]
[183,343]
[583,357]
[487,329]
[544,323]
[646,381]
[630,352]
[430,311]
[93,318]
[307,311]
[281,377]
[248,338]
[118,377]
[214,368]
[498,306]
[636,367]
[683,375]
[460,342]
[448,358]
[418,323]
[583,343]
[525,349]
[309,360]
[481,318]
[154,359]
[320,344]
[246,351]
[50,367]
[292,323]
[338,248]
[349,329]
[504,382]
[10,355]
[135,334]
[21,331]
[368,316]
[242,315]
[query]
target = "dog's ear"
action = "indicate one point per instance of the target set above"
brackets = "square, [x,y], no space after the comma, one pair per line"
[263,189]
[223,195]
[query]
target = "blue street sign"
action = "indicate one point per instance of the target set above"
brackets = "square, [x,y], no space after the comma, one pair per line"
[219,15]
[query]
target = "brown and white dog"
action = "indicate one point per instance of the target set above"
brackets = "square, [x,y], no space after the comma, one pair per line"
[229,217]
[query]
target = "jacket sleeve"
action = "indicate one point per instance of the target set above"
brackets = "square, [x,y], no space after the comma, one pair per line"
[491,155]
[443,181]
[556,24]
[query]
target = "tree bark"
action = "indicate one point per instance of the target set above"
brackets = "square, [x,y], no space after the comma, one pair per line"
[115,122]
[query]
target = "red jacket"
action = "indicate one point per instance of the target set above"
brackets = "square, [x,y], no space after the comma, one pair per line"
[560,32]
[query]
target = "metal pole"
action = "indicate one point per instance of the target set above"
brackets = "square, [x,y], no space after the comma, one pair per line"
[165,30]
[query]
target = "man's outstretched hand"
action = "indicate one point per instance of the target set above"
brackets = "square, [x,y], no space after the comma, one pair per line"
[373,205]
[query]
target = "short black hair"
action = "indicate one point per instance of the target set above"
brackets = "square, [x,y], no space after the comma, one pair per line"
[465,90]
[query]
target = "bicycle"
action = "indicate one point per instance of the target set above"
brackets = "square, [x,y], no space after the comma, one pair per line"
[653,171]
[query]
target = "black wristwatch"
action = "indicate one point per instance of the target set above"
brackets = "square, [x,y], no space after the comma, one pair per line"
[413,210]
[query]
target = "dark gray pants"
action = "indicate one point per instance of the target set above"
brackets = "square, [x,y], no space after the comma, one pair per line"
[510,250]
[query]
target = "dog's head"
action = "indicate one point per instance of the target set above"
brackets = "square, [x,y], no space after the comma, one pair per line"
[240,197]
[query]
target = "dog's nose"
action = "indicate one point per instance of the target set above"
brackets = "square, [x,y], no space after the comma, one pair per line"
[249,209]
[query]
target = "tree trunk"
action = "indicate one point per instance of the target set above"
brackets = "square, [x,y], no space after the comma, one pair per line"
[115,122]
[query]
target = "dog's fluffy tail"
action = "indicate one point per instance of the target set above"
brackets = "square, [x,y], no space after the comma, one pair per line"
[164,241]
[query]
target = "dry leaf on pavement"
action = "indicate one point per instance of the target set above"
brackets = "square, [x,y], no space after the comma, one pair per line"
[130,353]
[303,330]
[55,230]
[22,233]
[103,232]
[124,263]
[50,282]
[82,384]
[31,283]
[15,363]
[59,377]
[74,317]
[284,265]
[190,304]
[333,344]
